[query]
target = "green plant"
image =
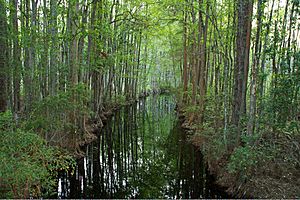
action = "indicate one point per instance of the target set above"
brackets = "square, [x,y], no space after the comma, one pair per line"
[119,99]
[243,159]
[191,109]
[28,165]
[51,116]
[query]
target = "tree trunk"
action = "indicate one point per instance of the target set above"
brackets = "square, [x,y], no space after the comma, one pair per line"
[185,55]
[16,59]
[202,63]
[54,48]
[256,58]
[244,11]
[3,59]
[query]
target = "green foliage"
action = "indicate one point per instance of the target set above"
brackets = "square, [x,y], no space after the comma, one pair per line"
[28,165]
[119,99]
[6,121]
[243,159]
[191,109]
[217,148]
[51,115]
[250,139]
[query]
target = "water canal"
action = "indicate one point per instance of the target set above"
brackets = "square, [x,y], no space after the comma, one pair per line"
[142,152]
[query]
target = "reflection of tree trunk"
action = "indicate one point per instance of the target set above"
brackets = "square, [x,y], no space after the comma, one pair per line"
[74,184]
[119,150]
[97,169]
[197,180]
[110,173]
[81,178]
[118,147]
[180,158]
[103,164]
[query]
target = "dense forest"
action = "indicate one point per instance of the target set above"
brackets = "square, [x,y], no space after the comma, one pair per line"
[233,66]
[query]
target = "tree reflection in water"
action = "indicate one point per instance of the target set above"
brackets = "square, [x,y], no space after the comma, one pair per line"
[141,153]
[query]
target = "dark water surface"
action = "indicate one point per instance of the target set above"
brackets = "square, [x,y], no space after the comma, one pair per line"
[141,153]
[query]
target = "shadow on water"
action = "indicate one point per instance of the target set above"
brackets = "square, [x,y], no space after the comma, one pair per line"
[141,153]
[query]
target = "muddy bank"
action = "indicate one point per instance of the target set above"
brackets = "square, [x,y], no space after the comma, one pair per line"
[277,177]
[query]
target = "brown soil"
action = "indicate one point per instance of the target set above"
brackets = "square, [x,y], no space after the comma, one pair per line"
[275,179]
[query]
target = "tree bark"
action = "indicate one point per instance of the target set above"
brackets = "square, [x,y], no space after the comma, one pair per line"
[244,11]
[185,55]
[256,58]
[16,64]
[54,55]
[3,58]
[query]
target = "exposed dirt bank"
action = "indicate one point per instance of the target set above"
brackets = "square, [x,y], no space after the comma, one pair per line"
[277,177]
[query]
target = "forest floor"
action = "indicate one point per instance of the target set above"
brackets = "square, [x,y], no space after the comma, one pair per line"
[272,173]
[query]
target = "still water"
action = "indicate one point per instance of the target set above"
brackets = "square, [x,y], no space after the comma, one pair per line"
[141,153]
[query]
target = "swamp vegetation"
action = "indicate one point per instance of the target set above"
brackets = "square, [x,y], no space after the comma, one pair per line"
[83,110]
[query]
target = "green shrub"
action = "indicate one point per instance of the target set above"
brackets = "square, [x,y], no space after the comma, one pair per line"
[242,159]
[191,109]
[28,165]
[51,116]
[119,99]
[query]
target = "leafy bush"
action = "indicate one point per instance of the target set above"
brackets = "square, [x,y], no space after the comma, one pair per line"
[246,159]
[191,109]
[51,116]
[28,165]
[119,99]
[243,159]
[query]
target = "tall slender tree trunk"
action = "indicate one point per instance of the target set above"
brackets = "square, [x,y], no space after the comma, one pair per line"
[3,58]
[74,8]
[45,69]
[256,58]
[202,63]
[193,60]
[185,54]
[73,21]
[33,51]
[244,11]
[264,55]
[16,59]
[54,55]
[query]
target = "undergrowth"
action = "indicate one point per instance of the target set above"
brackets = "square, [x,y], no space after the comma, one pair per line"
[28,165]
[250,165]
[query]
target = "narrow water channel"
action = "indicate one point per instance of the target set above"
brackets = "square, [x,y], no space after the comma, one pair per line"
[140,153]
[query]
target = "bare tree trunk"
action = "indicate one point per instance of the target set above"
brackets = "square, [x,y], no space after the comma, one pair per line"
[263,56]
[54,48]
[73,20]
[16,59]
[256,58]
[193,60]
[3,58]
[202,63]
[241,60]
[32,50]
[185,55]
